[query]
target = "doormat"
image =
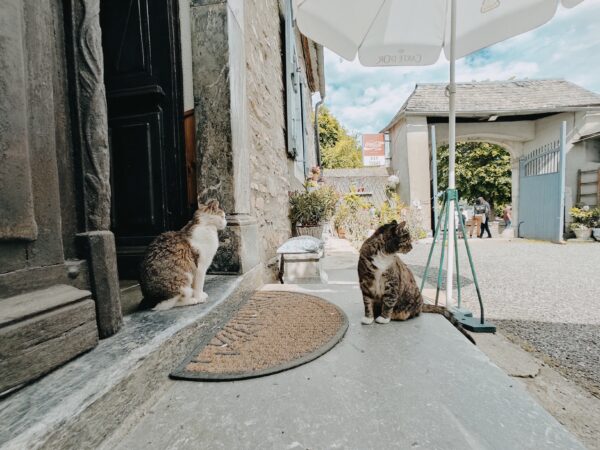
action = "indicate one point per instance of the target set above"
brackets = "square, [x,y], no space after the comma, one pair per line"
[272,332]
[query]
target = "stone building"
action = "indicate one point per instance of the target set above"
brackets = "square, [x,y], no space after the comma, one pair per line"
[114,116]
[522,116]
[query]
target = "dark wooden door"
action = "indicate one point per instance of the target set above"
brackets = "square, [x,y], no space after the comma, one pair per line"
[140,40]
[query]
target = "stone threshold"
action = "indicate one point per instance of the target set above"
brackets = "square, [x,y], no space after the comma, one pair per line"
[82,403]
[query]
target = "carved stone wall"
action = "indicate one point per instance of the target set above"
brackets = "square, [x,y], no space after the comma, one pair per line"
[90,112]
[90,131]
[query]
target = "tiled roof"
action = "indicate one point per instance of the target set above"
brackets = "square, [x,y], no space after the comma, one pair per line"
[499,98]
[379,171]
[372,179]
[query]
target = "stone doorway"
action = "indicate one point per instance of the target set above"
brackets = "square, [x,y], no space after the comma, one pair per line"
[144,93]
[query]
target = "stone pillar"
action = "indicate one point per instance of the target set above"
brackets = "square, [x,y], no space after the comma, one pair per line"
[419,169]
[222,147]
[91,130]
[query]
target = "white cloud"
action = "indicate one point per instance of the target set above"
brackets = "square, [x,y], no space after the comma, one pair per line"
[365,98]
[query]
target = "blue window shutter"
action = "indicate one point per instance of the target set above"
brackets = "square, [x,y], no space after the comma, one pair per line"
[295,126]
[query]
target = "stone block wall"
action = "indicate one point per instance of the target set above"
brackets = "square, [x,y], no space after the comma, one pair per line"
[271,170]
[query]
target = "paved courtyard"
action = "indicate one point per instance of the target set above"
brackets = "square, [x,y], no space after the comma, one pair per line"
[416,384]
[545,296]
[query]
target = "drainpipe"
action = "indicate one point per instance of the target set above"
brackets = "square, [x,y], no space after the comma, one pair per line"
[317,146]
[321,71]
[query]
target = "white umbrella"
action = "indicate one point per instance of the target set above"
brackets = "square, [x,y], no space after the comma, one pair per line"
[413,33]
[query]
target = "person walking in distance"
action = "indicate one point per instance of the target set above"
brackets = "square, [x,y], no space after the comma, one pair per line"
[507,216]
[485,208]
[477,219]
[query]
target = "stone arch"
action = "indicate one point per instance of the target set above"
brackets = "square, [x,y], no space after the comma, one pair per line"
[511,146]
[507,142]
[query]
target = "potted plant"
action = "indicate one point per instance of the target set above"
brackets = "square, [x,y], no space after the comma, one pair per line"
[310,209]
[582,222]
[581,231]
[595,223]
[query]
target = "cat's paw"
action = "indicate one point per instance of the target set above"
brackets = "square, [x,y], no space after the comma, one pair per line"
[367,320]
[201,297]
[189,301]
[382,320]
[162,306]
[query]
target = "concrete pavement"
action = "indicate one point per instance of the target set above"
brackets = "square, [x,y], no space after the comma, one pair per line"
[416,384]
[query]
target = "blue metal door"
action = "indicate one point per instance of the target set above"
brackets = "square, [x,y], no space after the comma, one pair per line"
[542,191]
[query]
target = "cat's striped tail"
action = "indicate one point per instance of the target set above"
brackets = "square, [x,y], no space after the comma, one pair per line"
[437,309]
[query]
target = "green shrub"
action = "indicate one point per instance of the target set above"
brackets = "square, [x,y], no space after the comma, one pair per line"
[583,217]
[312,207]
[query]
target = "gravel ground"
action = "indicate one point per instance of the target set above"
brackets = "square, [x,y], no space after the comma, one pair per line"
[544,296]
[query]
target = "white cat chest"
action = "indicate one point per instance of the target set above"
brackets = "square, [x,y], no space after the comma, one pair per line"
[300,261]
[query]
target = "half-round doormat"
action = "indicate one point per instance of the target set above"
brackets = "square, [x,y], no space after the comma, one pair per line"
[272,332]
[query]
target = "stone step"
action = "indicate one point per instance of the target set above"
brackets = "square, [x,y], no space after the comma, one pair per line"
[42,330]
[82,403]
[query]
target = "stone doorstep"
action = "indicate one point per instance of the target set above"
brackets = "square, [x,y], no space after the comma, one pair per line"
[42,330]
[82,403]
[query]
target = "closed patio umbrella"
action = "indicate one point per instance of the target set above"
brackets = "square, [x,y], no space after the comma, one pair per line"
[414,32]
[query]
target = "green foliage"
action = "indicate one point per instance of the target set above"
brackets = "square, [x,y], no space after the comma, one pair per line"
[391,209]
[338,148]
[353,215]
[585,217]
[312,207]
[345,154]
[482,170]
[330,130]
[394,209]
[358,217]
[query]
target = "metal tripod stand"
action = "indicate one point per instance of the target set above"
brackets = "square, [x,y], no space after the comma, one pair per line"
[465,317]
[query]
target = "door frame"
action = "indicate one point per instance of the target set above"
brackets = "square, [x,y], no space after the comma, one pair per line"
[174,191]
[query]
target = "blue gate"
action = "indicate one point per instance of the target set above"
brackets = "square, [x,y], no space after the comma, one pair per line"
[542,191]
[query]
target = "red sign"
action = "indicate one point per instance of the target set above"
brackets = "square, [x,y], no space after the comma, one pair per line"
[373,149]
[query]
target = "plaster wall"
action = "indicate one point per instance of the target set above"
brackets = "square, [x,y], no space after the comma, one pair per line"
[417,141]
[399,159]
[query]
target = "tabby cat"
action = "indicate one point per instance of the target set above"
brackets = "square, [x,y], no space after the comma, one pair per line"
[173,270]
[389,289]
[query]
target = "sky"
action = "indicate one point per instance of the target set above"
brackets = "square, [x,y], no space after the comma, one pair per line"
[365,99]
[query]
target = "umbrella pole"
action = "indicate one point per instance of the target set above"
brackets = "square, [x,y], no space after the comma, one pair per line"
[451,196]
[451,155]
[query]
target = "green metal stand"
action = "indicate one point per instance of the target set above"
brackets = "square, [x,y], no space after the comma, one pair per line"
[464,316]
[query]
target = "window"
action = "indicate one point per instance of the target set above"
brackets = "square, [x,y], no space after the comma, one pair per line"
[295,87]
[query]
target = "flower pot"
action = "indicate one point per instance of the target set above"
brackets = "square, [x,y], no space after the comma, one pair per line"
[314,231]
[582,233]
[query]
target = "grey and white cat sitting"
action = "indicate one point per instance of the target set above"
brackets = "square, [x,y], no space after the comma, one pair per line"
[173,270]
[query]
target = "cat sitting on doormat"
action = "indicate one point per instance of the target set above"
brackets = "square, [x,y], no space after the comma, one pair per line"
[174,267]
[389,289]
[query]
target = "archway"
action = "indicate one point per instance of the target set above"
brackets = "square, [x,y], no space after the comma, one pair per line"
[483,169]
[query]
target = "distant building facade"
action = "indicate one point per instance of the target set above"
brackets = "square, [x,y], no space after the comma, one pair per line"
[518,115]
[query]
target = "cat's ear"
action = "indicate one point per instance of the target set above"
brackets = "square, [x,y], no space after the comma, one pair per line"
[213,205]
[393,222]
[402,225]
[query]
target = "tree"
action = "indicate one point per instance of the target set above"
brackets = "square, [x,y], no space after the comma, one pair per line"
[330,130]
[482,170]
[338,148]
[345,154]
